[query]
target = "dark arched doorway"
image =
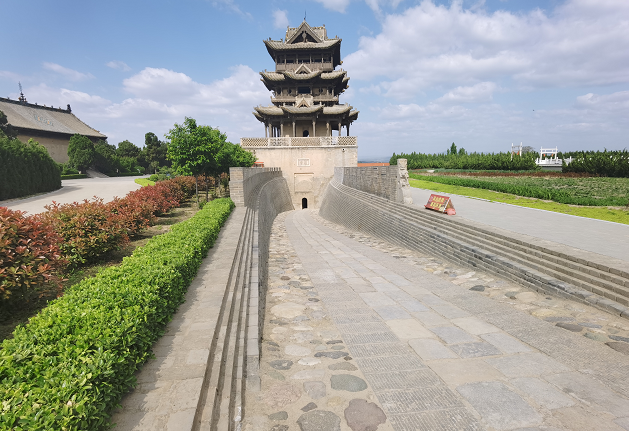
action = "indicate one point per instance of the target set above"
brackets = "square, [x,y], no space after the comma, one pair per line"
[304,203]
[306,133]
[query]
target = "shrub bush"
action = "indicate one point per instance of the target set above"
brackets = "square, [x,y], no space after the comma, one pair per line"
[73,362]
[29,256]
[26,169]
[88,229]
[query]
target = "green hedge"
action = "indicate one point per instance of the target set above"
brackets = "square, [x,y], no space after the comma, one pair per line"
[556,195]
[26,169]
[471,161]
[70,366]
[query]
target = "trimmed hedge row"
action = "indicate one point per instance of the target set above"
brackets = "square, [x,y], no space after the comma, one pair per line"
[26,169]
[69,367]
[528,191]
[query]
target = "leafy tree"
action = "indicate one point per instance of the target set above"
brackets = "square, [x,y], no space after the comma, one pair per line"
[81,152]
[462,151]
[105,158]
[203,150]
[5,128]
[452,150]
[127,149]
[155,152]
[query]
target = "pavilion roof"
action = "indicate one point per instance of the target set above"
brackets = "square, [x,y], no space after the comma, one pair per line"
[23,115]
[279,45]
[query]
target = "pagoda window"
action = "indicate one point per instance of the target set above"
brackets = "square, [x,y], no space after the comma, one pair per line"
[290,91]
[303,90]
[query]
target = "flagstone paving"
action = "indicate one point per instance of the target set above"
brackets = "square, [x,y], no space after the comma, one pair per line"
[363,335]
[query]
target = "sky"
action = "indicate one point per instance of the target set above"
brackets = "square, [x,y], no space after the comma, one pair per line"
[424,74]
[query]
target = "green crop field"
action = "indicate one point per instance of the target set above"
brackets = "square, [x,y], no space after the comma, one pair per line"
[615,215]
[585,191]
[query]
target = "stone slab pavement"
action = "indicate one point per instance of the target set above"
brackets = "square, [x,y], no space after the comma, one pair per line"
[361,334]
[76,191]
[597,236]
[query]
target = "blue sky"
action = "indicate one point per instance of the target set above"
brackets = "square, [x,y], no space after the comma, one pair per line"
[424,74]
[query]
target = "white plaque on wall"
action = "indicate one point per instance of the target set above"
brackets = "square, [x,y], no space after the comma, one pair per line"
[303,162]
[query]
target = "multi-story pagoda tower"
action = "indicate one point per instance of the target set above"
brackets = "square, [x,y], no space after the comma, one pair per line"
[299,126]
[305,86]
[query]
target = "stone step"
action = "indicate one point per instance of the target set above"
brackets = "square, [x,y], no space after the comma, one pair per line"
[457,241]
[587,277]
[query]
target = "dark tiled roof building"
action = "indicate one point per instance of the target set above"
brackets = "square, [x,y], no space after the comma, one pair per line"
[51,127]
[305,86]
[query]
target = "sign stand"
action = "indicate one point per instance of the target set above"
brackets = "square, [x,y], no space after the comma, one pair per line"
[443,204]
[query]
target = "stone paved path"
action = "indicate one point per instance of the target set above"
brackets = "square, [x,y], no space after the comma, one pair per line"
[358,329]
[76,191]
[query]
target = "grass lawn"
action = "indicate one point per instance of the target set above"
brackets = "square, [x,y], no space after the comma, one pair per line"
[144,182]
[600,213]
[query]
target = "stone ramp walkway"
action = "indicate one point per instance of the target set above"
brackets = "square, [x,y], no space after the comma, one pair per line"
[596,236]
[169,385]
[432,353]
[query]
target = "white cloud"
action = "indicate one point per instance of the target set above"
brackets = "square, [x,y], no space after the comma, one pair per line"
[280,19]
[231,6]
[432,46]
[70,74]
[335,5]
[478,93]
[117,64]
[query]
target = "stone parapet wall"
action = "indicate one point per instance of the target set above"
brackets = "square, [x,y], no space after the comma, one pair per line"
[243,182]
[264,192]
[542,268]
[388,182]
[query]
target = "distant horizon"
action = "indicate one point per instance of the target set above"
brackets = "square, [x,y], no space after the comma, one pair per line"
[483,74]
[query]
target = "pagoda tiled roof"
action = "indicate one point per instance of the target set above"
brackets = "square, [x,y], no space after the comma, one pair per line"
[303,110]
[279,45]
[336,109]
[269,110]
[23,115]
[319,31]
[333,75]
[273,76]
[302,76]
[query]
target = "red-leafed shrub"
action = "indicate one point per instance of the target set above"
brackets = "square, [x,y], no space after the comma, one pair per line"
[29,255]
[135,213]
[89,229]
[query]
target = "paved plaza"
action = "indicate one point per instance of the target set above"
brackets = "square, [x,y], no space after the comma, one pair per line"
[363,335]
[76,191]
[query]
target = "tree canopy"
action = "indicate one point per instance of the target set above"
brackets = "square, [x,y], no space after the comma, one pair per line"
[5,128]
[81,152]
[197,150]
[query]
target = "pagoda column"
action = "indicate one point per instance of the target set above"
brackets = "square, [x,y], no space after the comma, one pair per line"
[327,128]
[340,127]
[266,130]
[281,128]
[294,130]
[314,128]
[347,129]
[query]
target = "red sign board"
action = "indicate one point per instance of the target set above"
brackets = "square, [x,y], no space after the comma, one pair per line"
[440,203]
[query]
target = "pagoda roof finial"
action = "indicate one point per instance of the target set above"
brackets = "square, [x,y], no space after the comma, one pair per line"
[22,98]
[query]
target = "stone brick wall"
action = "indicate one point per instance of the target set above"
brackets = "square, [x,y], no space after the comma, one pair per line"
[265,194]
[389,182]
